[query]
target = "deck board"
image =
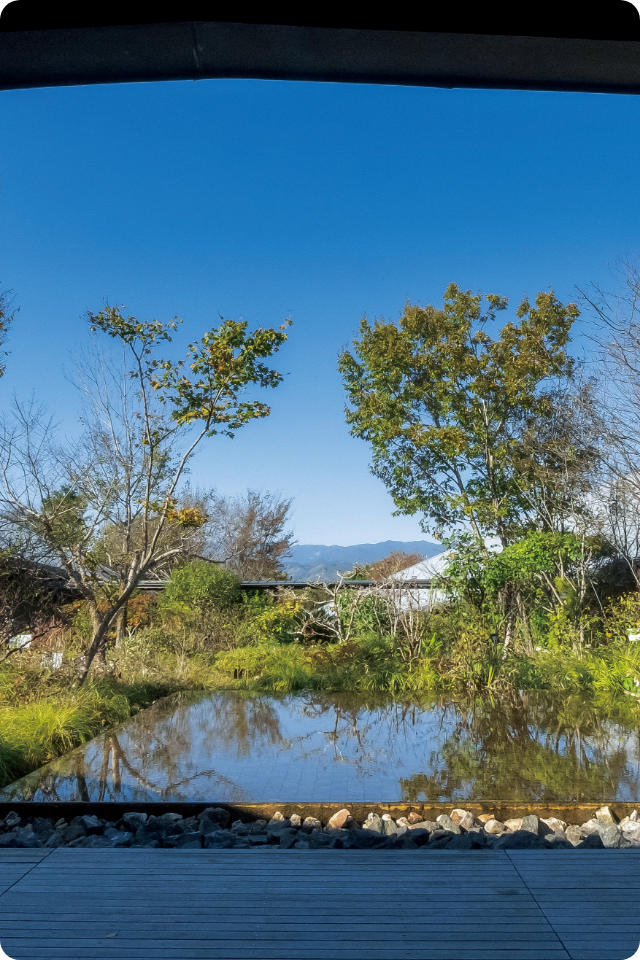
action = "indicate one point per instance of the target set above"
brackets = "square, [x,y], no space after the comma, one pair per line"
[589,897]
[318,905]
[15,864]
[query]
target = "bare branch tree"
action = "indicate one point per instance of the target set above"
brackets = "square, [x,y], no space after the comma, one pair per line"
[247,534]
[7,315]
[616,412]
[107,505]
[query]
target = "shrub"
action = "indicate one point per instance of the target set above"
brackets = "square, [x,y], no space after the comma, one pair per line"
[279,622]
[362,615]
[199,586]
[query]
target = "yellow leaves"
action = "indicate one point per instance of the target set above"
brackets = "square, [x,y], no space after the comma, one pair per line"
[187,516]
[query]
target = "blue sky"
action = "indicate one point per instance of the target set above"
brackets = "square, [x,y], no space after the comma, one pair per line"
[322,202]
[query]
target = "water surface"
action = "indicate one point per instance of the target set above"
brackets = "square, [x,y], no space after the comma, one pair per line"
[234,746]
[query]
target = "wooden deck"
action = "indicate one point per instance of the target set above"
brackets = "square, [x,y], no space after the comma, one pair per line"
[272,904]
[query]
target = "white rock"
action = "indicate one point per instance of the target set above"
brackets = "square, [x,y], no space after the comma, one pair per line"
[555,824]
[630,829]
[515,823]
[339,819]
[494,826]
[312,823]
[591,826]
[463,818]
[605,814]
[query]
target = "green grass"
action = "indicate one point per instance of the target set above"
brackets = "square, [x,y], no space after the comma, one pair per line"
[613,670]
[43,716]
[607,673]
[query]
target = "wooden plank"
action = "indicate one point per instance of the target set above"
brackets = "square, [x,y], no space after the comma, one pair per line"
[620,949]
[602,952]
[14,856]
[12,872]
[323,934]
[531,913]
[449,952]
[135,926]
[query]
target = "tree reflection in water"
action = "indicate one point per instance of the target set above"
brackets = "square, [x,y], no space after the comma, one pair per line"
[530,747]
[236,746]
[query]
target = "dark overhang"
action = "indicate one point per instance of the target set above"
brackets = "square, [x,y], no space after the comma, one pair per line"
[561,46]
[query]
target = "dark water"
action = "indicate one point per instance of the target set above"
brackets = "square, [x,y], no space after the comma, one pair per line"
[315,747]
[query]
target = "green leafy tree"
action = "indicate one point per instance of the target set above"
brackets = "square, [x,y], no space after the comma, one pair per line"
[107,507]
[546,578]
[447,402]
[549,573]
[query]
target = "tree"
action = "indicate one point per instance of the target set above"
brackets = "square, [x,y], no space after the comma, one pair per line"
[107,505]
[447,404]
[383,569]
[552,572]
[557,463]
[248,534]
[615,410]
[7,315]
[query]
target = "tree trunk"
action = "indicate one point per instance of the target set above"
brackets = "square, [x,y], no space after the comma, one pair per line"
[121,624]
[99,637]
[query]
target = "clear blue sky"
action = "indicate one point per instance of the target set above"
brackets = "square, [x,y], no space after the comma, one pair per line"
[322,202]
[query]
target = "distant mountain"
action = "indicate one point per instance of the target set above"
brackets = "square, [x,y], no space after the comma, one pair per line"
[316,561]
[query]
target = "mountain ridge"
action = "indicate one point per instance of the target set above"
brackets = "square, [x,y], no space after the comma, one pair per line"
[317,561]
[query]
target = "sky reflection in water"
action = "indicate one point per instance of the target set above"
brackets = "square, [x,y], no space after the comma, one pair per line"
[316,747]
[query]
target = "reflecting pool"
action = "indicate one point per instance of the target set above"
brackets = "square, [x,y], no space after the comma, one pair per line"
[234,746]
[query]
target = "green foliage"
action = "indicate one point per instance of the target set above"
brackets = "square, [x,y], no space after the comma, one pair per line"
[607,672]
[622,618]
[221,366]
[447,403]
[466,570]
[535,559]
[367,666]
[50,722]
[278,621]
[198,586]
[62,520]
[263,666]
[224,363]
